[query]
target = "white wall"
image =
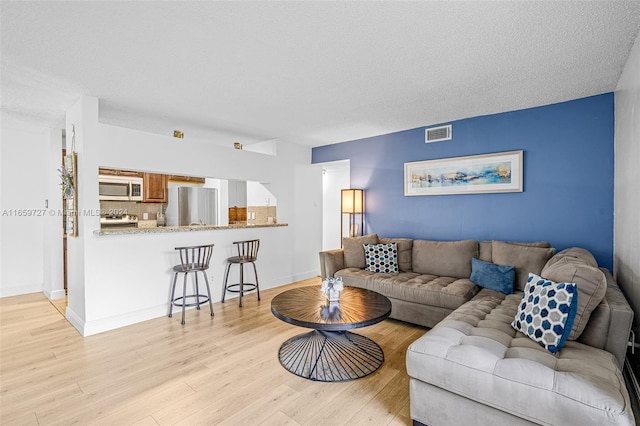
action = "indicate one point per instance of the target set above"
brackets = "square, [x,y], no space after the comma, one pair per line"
[627,179]
[53,286]
[336,177]
[307,211]
[31,244]
[259,195]
[125,279]
[82,117]
[269,147]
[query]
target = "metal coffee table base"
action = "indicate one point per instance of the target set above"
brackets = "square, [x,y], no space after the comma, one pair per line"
[331,356]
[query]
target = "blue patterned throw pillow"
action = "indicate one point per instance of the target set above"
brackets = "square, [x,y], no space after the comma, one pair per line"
[547,311]
[381,258]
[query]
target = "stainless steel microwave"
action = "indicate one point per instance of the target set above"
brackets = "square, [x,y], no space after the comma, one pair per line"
[120,188]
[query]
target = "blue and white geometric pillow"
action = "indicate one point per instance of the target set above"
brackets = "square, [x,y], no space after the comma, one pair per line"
[547,311]
[381,258]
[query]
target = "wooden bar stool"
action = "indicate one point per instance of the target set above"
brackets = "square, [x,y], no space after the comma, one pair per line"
[247,253]
[192,259]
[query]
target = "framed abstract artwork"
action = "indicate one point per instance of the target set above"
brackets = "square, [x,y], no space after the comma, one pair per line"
[498,172]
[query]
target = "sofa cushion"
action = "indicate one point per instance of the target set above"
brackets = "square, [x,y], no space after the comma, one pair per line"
[381,258]
[404,251]
[444,258]
[526,259]
[591,283]
[354,251]
[576,253]
[429,290]
[485,252]
[546,312]
[475,353]
[495,277]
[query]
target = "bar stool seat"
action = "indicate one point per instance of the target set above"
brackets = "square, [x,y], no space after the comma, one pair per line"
[247,253]
[192,259]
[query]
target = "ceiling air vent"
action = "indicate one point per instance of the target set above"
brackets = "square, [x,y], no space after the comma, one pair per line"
[437,134]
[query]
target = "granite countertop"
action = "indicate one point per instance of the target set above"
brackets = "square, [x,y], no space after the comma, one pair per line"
[166,229]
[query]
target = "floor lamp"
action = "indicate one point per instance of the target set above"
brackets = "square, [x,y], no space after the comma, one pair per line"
[352,203]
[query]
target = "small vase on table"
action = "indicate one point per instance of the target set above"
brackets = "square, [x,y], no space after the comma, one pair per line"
[331,288]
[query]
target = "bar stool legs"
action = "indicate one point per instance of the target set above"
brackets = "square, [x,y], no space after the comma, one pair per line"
[255,271]
[193,259]
[241,284]
[247,253]
[182,300]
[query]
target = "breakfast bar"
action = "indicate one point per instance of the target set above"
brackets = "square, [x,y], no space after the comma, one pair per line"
[131,269]
[171,229]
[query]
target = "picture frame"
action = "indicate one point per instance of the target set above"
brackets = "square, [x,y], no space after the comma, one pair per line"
[474,174]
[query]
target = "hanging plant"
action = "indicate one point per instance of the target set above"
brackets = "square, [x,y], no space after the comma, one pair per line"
[67,182]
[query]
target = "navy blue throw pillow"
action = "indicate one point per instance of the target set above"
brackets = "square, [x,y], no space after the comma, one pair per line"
[494,277]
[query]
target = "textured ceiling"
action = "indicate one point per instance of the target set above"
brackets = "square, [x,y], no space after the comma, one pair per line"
[310,72]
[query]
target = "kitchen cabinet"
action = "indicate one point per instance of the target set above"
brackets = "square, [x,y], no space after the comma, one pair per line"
[237,202]
[237,215]
[116,172]
[189,179]
[155,188]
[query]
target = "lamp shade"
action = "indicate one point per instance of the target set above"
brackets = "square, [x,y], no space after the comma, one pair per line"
[352,201]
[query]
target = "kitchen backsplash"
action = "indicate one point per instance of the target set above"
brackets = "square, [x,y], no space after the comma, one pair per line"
[256,215]
[259,215]
[132,208]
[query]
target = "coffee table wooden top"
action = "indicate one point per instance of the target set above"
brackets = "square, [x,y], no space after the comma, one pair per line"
[308,307]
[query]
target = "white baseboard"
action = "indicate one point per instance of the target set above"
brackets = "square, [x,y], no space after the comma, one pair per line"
[306,275]
[20,290]
[55,294]
[105,324]
[88,328]
[75,320]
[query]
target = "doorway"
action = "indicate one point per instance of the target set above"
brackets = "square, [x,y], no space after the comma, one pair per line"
[61,303]
[64,236]
[336,175]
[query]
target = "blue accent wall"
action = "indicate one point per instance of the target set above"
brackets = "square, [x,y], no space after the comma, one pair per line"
[568,178]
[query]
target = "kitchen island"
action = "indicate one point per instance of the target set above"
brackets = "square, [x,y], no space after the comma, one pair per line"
[169,229]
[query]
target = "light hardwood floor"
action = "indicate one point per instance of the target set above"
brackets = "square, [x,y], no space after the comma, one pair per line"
[220,370]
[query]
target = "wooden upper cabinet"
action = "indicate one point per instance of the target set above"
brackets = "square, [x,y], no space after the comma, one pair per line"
[237,215]
[190,179]
[116,172]
[108,172]
[130,173]
[155,188]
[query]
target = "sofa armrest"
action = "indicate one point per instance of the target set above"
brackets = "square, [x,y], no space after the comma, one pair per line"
[331,261]
[610,323]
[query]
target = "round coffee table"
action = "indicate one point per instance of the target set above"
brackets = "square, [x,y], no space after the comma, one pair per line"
[330,353]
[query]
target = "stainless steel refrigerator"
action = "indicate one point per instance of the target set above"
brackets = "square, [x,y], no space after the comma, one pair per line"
[192,205]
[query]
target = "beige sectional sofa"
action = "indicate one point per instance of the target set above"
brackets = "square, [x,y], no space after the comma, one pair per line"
[433,280]
[473,367]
